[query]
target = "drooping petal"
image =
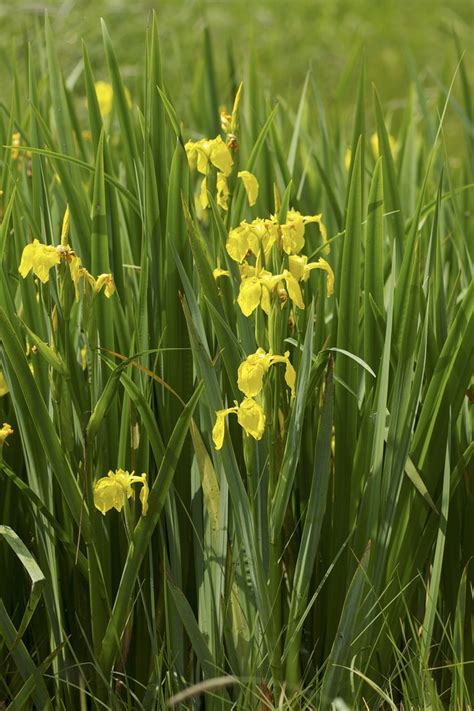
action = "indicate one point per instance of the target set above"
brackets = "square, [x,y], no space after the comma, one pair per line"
[250,184]
[251,371]
[290,375]
[203,199]
[249,295]
[191,152]
[322,264]
[38,258]
[293,288]
[203,149]
[292,235]
[222,191]
[220,156]
[251,418]
[218,430]
[237,243]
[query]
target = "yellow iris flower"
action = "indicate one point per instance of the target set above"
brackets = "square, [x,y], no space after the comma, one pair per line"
[292,231]
[40,258]
[250,416]
[253,369]
[105,281]
[209,151]
[5,432]
[249,236]
[255,289]
[111,491]
[300,269]
[257,284]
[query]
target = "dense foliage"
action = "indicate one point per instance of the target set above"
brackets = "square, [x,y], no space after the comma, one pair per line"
[236,363]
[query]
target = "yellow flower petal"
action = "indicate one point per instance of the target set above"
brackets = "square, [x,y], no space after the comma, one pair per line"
[222,191]
[107,281]
[203,199]
[38,258]
[294,291]
[111,491]
[250,184]
[108,494]
[5,432]
[292,233]
[251,418]
[297,264]
[105,95]
[251,371]
[65,227]
[235,109]
[218,430]
[191,152]
[144,493]
[220,156]
[218,272]
[290,375]
[237,243]
[250,294]
[3,385]
[322,264]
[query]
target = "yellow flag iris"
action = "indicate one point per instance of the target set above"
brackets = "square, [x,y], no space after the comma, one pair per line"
[292,231]
[253,369]
[111,491]
[209,151]
[38,258]
[250,416]
[5,432]
[300,269]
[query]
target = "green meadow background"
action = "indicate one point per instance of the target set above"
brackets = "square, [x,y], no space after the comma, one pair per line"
[402,39]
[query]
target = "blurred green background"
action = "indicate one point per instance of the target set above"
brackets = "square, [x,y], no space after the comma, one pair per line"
[401,39]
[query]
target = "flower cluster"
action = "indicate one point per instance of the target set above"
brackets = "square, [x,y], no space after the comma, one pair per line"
[112,491]
[215,152]
[40,258]
[250,414]
[205,153]
[257,238]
